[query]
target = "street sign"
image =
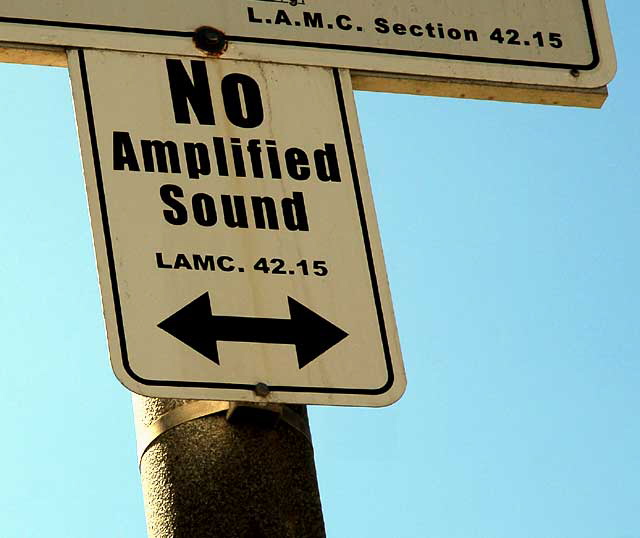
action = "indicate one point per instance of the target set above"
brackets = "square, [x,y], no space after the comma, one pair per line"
[550,43]
[234,229]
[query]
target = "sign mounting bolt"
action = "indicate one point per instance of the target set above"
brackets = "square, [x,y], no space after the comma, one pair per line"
[210,40]
[262,389]
[575,73]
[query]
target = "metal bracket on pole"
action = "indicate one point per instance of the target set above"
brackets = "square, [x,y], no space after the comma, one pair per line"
[270,415]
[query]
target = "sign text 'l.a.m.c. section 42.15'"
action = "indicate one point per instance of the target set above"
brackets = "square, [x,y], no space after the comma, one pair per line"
[235,233]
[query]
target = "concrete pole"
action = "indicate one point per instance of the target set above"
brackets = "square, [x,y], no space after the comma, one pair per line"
[218,470]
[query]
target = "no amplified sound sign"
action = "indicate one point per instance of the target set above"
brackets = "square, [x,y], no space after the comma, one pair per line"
[236,240]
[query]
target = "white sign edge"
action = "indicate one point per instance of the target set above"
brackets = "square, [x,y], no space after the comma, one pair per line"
[597,74]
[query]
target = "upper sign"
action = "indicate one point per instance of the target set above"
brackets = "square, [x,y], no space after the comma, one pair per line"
[234,229]
[564,43]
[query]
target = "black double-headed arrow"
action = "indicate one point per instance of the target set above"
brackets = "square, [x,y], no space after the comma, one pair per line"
[197,327]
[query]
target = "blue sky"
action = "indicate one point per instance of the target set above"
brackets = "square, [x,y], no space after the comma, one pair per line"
[510,234]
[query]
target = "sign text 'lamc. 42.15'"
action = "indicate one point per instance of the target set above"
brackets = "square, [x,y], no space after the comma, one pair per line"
[235,234]
[548,43]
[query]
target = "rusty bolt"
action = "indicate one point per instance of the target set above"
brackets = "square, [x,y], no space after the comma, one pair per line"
[262,389]
[209,39]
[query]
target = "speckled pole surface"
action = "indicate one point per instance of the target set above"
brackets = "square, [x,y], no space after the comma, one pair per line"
[215,479]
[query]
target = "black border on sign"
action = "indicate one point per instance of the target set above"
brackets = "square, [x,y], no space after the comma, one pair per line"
[238,386]
[595,53]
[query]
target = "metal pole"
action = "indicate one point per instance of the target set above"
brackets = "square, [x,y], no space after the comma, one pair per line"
[224,470]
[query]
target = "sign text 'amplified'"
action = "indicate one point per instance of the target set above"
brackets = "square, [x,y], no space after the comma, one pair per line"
[235,234]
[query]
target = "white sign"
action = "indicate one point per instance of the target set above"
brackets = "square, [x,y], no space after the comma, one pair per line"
[563,43]
[234,228]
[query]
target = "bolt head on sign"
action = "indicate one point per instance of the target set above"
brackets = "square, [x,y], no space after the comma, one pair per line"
[236,240]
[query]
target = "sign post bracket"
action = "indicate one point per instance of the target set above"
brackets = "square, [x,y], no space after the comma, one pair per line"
[210,477]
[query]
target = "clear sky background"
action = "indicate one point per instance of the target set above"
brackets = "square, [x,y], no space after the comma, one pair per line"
[511,238]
